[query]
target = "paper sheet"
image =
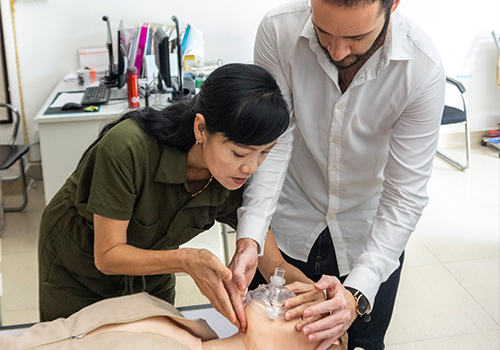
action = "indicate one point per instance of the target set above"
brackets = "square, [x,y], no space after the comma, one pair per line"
[195,43]
[93,57]
[66,97]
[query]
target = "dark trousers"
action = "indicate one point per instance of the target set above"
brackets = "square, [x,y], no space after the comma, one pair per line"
[322,261]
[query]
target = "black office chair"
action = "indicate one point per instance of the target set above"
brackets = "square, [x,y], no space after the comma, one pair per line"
[453,115]
[10,154]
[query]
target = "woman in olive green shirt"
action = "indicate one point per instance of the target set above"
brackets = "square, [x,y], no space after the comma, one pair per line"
[152,181]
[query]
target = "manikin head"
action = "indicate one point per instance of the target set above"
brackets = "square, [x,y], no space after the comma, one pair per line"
[267,328]
[264,333]
[265,310]
[350,30]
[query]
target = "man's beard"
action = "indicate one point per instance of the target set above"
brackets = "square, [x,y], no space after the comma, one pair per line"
[360,57]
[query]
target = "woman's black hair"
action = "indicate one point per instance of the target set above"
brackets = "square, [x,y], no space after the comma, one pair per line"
[241,101]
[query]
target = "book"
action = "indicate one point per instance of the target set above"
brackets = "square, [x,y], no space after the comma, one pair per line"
[141,45]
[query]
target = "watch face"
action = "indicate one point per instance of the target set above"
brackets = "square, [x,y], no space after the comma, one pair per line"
[361,301]
[362,305]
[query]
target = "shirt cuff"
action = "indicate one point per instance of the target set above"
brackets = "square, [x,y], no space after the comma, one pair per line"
[255,228]
[366,282]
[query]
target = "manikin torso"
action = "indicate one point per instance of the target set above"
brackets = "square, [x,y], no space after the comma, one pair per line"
[267,328]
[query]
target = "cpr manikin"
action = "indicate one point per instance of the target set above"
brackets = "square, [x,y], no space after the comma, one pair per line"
[141,320]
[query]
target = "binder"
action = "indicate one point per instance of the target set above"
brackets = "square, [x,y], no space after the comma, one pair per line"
[141,44]
[185,38]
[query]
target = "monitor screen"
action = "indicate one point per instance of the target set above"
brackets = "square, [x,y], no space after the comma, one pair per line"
[162,50]
[110,78]
[122,58]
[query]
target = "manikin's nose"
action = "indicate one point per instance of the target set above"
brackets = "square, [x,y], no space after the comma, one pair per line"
[338,49]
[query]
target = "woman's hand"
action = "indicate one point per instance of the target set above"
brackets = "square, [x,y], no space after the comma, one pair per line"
[340,309]
[208,272]
[243,266]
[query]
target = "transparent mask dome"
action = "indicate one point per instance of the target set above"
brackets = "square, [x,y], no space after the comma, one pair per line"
[270,298]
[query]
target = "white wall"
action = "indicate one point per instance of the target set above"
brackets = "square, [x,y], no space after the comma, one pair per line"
[49,32]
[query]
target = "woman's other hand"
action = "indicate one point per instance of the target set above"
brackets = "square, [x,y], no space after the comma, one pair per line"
[243,266]
[209,273]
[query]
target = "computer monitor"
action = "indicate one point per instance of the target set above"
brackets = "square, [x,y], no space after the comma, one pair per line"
[162,58]
[117,74]
[111,76]
[121,73]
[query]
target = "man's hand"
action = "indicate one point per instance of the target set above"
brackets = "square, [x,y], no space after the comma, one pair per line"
[243,267]
[341,312]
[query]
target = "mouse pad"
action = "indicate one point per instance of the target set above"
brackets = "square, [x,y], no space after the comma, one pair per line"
[58,110]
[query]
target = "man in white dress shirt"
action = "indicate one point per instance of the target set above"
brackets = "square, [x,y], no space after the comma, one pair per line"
[365,88]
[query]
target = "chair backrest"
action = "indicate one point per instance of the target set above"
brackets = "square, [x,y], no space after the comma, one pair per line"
[16,120]
[455,112]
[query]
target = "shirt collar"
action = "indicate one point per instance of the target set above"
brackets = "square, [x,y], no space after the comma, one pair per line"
[172,167]
[397,40]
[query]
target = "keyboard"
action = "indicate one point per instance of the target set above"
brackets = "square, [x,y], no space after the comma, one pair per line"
[96,95]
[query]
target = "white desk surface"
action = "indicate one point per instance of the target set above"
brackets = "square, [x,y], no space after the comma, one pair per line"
[112,108]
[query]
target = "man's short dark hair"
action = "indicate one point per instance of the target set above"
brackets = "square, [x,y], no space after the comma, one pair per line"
[385,4]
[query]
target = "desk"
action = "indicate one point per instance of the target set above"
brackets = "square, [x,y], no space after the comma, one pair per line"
[64,138]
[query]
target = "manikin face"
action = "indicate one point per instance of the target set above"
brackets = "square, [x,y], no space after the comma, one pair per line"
[348,34]
[232,164]
[265,334]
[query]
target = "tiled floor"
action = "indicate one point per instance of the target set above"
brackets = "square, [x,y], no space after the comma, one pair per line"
[450,289]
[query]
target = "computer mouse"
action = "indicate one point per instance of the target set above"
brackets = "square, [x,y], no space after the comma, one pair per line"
[71,106]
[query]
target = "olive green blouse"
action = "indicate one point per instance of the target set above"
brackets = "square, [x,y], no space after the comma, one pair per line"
[127,175]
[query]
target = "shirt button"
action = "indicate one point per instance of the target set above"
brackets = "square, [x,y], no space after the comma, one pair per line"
[334,140]
[333,193]
[330,217]
[333,168]
[339,106]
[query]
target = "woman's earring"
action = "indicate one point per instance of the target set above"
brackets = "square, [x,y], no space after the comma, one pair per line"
[197,142]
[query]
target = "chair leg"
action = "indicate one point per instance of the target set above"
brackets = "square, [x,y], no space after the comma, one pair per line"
[2,219]
[467,152]
[24,191]
[467,144]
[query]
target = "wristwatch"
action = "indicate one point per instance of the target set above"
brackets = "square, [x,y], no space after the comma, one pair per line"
[361,304]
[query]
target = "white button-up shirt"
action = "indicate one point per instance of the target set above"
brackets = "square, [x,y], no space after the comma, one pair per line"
[358,162]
